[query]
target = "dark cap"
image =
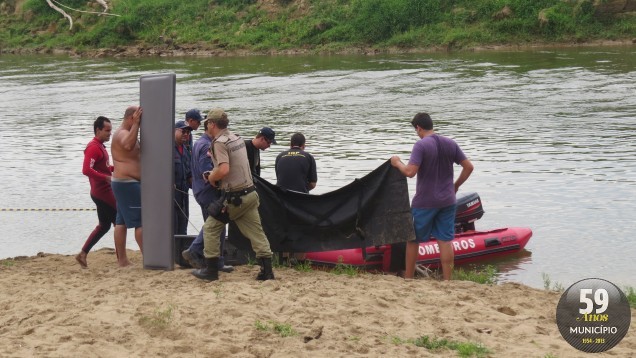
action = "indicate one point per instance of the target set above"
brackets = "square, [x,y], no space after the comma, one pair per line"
[194,114]
[269,134]
[182,125]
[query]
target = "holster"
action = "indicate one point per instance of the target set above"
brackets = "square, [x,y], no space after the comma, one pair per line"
[215,209]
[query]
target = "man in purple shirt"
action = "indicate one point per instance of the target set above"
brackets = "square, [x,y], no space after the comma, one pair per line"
[433,205]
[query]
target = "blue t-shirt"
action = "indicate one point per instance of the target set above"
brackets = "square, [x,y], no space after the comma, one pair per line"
[435,156]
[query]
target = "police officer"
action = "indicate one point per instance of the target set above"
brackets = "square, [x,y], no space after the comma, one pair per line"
[231,174]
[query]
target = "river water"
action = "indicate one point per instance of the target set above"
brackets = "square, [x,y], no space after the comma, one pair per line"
[550,133]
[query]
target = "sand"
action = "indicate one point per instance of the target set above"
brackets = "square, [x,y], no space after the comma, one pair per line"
[53,308]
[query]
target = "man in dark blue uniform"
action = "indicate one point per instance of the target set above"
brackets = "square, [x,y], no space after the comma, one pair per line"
[295,168]
[204,194]
[182,177]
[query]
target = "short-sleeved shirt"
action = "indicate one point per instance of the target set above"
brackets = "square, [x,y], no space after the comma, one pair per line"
[435,156]
[230,148]
[254,156]
[295,168]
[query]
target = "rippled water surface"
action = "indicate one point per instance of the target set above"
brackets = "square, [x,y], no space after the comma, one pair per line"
[550,134]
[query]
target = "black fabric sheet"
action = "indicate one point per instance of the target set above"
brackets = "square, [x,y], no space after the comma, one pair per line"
[373,210]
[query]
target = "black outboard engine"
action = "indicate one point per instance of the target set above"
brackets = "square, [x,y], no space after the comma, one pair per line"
[469,210]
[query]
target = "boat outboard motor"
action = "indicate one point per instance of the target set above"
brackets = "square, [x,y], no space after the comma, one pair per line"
[469,210]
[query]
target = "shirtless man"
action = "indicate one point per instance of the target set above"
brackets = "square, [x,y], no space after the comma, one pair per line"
[126,182]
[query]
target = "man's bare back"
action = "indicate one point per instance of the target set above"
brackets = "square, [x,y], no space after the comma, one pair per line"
[125,146]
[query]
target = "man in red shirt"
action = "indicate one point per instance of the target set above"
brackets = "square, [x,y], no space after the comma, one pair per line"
[98,169]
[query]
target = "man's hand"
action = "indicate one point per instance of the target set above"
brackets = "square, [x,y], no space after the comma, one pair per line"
[396,161]
[137,116]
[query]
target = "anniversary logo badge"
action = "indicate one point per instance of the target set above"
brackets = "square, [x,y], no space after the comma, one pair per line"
[593,315]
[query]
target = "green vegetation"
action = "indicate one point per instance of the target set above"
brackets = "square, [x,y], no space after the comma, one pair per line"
[159,320]
[464,349]
[7,262]
[323,25]
[303,266]
[556,287]
[631,296]
[486,275]
[283,329]
[345,269]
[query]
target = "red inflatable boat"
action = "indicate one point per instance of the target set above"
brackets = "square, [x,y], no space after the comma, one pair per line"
[468,244]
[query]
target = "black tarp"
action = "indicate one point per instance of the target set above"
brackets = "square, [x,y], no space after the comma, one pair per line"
[372,210]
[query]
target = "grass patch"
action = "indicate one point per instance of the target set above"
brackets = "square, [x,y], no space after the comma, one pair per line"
[303,266]
[260,326]
[158,320]
[486,275]
[556,286]
[345,269]
[631,296]
[7,263]
[464,349]
[282,329]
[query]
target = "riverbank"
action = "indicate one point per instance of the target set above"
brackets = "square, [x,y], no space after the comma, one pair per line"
[202,51]
[287,27]
[52,307]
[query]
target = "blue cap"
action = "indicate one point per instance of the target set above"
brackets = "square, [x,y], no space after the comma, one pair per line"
[269,134]
[194,114]
[182,125]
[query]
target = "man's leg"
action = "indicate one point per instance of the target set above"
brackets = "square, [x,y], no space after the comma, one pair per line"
[248,221]
[444,231]
[211,230]
[139,239]
[412,248]
[447,256]
[100,230]
[423,225]
[120,245]
[194,254]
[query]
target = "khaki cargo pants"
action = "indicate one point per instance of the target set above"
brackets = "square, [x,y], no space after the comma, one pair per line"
[246,217]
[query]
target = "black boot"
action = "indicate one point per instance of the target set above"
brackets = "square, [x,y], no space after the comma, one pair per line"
[210,272]
[223,267]
[266,270]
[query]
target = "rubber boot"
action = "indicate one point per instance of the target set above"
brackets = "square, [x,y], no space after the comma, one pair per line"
[210,272]
[266,270]
[223,267]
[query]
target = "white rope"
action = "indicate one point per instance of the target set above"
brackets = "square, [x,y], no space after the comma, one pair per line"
[87,12]
[423,270]
[67,16]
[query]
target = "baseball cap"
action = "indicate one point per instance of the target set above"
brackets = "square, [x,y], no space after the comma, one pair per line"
[182,125]
[216,114]
[194,114]
[269,134]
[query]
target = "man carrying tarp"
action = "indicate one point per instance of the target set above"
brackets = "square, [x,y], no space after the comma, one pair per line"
[231,174]
[433,206]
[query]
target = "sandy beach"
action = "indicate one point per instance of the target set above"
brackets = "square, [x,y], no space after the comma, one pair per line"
[53,308]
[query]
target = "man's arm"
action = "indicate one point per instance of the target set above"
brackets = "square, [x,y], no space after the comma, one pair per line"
[406,170]
[203,158]
[91,156]
[129,141]
[313,173]
[467,169]
[219,172]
